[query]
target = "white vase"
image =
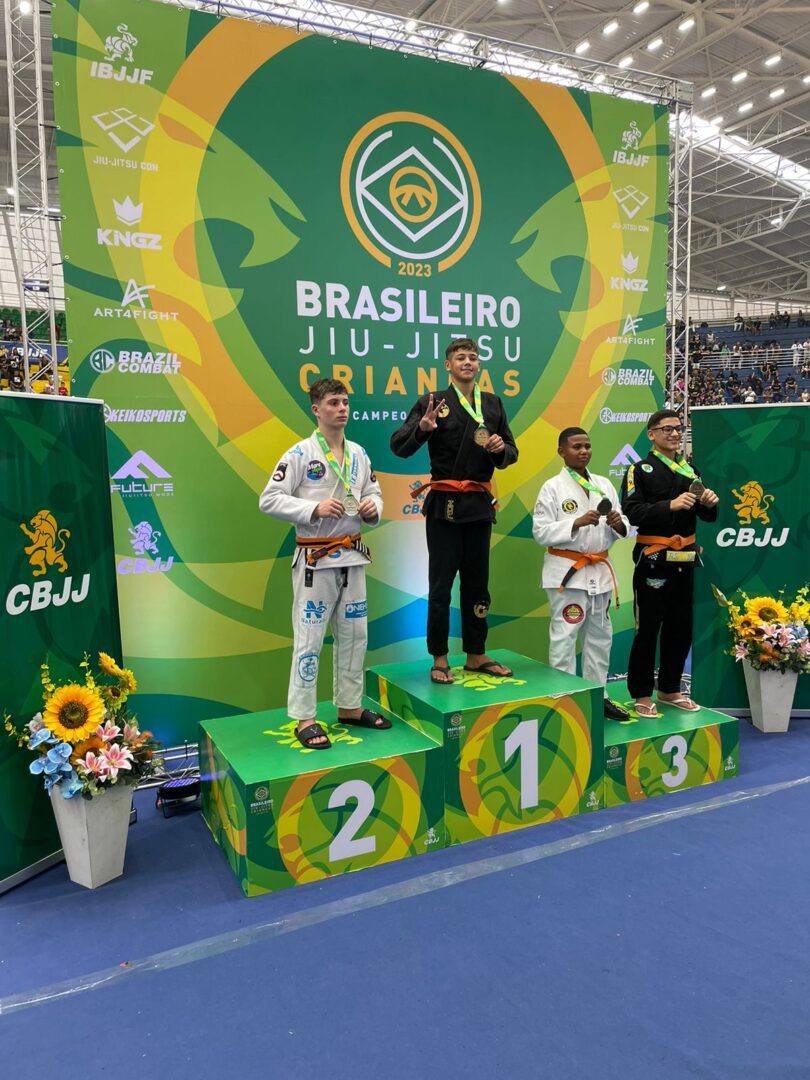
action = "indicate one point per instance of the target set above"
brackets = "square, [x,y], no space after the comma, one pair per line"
[94,833]
[770,694]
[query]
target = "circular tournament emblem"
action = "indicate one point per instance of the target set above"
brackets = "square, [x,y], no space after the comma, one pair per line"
[609,376]
[570,506]
[102,361]
[410,190]
[316,470]
[444,411]
[573,614]
[647,468]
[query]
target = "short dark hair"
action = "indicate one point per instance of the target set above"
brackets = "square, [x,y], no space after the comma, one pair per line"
[460,343]
[662,414]
[566,434]
[323,387]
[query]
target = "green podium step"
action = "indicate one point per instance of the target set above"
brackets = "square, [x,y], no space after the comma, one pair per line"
[657,757]
[285,815]
[517,751]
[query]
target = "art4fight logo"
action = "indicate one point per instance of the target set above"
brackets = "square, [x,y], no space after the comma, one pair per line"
[144,540]
[47,552]
[630,333]
[129,214]
[134,306]
[119,60]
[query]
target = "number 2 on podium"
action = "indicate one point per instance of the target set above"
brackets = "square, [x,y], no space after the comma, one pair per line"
[524,740]
[345,846]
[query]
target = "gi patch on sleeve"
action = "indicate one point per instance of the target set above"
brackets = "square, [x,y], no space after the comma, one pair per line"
[570,506]
[281,471]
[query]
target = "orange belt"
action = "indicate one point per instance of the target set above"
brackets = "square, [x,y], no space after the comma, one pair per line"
[456,485]
[581,559]
[318,547]
[659,543]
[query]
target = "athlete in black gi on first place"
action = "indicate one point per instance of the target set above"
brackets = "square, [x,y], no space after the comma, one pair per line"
[468,437]
[663,496]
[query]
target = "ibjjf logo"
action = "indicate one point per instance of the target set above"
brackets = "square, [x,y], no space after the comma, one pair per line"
[128,213]
[357,609]
[124,127]
[46,552]
[410,190]
[631,200]
[628,283]
[314,613]
[119,46]
[316,470]
[308,667]
[631,140]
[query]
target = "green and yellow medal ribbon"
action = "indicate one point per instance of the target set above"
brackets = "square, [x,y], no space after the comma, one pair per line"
[473,410]
[583,482]
[679,466]
[341,473]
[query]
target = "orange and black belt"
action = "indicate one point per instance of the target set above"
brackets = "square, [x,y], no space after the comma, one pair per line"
[318,547]
[581,559]
[457,485]
[661,543]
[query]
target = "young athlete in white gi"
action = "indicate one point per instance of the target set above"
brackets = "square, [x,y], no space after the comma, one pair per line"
[576,519]
[326,487]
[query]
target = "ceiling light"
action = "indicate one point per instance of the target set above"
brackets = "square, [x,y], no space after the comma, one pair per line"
[710,91]
[9,191]
[777,92]
[746,106]
[26,7]
[582,47]
[687,24]
[777,221]
[773,60]
[626,61]
[639,9]
[721,288]
[457,39]
[806,79]
[739,76]
[410,25]
[656,43]
[611,27]
[718,120]
[598,78]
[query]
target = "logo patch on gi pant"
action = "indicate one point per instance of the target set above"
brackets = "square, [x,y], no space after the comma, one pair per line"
[480,610]
[573,614]
[570,506]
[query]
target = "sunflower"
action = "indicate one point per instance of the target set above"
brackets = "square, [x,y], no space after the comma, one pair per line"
[744,626]
[73,712]
[94,743]
[800,611]
[127,678]
[764,609]
[109,666]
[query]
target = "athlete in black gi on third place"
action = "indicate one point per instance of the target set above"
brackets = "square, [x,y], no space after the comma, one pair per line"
[468,437]
[663,496]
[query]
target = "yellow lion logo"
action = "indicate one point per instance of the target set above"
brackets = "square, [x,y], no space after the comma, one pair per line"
[46,538]
[754,503]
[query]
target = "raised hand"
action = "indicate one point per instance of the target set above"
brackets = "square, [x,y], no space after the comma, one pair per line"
[429,421]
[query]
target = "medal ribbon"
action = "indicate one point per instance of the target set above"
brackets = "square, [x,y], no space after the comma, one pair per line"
[472,410]
[681,466]
[341,473]
[587,484]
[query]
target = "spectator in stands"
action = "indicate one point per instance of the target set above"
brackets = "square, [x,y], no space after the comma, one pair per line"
[767,394]
[791,387]
[805,372]
[749,396]
[800,319]
[805,395]
[797,352]
[738,322]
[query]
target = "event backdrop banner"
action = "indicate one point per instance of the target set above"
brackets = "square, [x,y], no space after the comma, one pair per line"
[247,208]
[58,586]
[754,457]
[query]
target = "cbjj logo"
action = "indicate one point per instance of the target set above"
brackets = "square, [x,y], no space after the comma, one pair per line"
[143,539]
[630,284]
[143,416]
[141,475]
[46,552]
[133,362]
[125,128]
[631,200]
[134,305]
[409,189]
[119,46]
[129,214]
[753,507]
[415,505]
[631,139]
[609,416]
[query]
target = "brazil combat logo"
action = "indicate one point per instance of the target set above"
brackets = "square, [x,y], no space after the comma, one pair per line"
[410,190]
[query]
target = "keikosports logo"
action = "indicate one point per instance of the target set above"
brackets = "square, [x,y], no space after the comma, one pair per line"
[410,190]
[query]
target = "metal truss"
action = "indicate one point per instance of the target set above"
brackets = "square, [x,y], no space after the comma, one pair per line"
[31,227]
[680,252]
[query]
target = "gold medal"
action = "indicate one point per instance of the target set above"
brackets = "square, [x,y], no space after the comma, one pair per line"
[481,436]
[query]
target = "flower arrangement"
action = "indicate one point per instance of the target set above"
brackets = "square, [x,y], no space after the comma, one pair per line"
[84,738]
[770,632]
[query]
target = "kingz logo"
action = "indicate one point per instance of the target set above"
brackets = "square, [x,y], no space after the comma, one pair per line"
[631,139]
[119,46]
[143,539]
[631,284]
[129,214]
[753,505]
[45,552]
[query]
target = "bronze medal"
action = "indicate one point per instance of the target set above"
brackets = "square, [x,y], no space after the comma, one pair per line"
[697,488]
[603,507]
[481,436]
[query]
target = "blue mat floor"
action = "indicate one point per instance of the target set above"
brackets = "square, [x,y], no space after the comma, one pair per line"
[680,950]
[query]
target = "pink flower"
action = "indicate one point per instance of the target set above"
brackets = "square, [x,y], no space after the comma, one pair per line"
[115,758]
[740,652]
[769,630]
[804,648]
[131,733]
[784,637]
[108,731]
[93,765]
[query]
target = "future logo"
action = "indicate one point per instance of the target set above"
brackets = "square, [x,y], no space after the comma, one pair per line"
[410,190]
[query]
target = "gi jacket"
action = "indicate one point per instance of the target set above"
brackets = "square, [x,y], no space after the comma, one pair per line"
[302,479]
[454,455]
[647,490]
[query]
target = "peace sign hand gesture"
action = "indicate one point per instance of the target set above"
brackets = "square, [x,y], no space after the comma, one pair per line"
[429,421]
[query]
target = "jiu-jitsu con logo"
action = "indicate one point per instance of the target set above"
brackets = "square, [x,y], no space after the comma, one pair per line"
[753,509]
[46,553]
[410,193]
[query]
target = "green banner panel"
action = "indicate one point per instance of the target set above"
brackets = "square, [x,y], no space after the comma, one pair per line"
[247,208]
[285,815]
[58,586]
[517,751]
[658,757]
[755,458]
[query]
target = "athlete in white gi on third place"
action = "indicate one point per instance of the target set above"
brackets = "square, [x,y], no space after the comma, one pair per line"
[576,518]
[326,487]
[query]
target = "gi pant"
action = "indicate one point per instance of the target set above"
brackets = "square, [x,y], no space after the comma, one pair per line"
[461,549]
[663,608]
[573,612]
[337,597]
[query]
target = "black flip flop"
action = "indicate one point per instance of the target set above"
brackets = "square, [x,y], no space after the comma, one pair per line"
[487,670]
[312,731]
[366,719]
[441,682]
